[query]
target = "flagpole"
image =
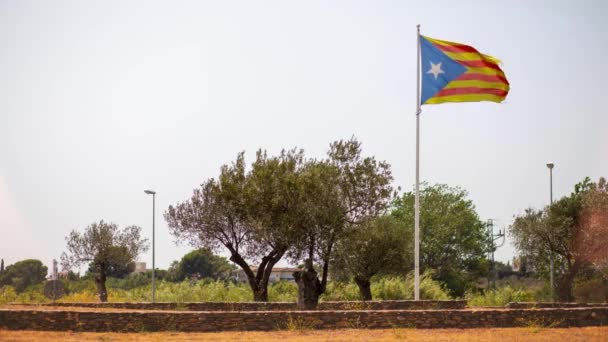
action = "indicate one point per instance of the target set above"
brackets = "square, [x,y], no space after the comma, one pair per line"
[417,198]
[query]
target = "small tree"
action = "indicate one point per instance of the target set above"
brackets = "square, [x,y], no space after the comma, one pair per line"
[2,266]
[104,244]
[380,246]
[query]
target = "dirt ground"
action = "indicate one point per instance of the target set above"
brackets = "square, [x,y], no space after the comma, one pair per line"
[498,334]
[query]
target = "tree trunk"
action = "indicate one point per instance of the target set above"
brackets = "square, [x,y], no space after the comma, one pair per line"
[309,289]
[261,295]
[564,288]
[258,282]
[364,288]
[100,281]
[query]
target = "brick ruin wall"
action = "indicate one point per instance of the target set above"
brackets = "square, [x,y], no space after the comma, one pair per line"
[278,306]
[140,321]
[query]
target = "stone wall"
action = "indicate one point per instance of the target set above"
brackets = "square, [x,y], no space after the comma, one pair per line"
[279,306]
[533,305]
[139,321]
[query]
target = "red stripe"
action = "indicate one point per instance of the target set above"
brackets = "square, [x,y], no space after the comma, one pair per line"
[456,48]
[471,90]
[481,77]
[479,64]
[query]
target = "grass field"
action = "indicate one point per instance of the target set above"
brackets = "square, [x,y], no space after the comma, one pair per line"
[504,334]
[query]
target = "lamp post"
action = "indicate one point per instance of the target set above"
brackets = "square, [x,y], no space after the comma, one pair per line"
[153,193]
[551,281]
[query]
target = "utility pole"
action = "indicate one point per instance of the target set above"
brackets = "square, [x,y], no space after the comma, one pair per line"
[492,247]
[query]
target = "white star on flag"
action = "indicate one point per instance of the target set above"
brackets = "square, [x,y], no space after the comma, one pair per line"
[435,69]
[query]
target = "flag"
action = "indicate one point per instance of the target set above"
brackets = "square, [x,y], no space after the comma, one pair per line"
[454,72]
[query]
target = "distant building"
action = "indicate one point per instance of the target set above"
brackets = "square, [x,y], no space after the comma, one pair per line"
[140,267]
[516,264]
[277,274]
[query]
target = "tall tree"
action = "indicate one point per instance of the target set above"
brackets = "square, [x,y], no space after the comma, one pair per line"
[341,192]
[2,266]
[452,239]
[573,230]
[381,246]
[23,273]
[103,244]
[252,215]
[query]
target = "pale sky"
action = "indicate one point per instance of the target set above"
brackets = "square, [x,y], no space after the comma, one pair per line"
[100,100]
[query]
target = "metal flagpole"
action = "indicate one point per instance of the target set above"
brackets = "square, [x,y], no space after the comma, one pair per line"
[417,199]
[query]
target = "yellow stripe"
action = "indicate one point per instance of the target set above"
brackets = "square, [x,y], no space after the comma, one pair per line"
[446,43]
[443,42]
[465,98]
[471,56]
[477,84]
[485,71]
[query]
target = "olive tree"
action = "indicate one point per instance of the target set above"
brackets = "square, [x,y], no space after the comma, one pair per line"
[572,230]
[250,214]
[340,193]
[380,246]
[102,245]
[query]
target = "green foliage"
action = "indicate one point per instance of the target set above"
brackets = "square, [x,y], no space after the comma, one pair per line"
[573,230]
[341,192]
[23,273]
[380,246]
[104,245]
[115,269]
[340,291]
[453,237]
[283,291]
[202,263]
[393,288]
[7,294]
[499,297]
[251,214]
[84,290]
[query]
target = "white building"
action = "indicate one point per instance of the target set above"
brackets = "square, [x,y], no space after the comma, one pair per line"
[140,267]
[277,274]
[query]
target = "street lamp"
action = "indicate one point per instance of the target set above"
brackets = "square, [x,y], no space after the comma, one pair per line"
[550,166]
[153,193]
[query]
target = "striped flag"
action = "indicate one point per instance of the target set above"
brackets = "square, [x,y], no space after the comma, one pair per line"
[454,72]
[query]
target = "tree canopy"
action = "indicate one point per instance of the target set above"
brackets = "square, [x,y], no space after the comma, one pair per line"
[251,214]
[382,245]
[103,244]
[574,229]
[340,192]
[452,237]
[23,273]
[202,263]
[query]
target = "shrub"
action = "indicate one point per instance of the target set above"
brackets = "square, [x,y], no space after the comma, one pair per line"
[499,297]
[283,291]
[7,294]
[399,288]
[339,291]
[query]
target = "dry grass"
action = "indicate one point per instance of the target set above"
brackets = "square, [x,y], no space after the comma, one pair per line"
[504,334]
